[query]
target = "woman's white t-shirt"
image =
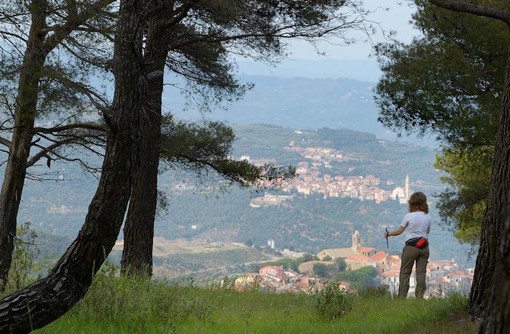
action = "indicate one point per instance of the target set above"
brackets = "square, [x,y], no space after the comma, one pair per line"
[417,224]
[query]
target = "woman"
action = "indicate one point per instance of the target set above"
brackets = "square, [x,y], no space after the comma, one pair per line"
[417,222]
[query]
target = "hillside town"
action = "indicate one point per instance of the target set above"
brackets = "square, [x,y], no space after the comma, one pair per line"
[443,276]
[310,180]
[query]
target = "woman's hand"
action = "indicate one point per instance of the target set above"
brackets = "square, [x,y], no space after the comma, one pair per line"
[398,231]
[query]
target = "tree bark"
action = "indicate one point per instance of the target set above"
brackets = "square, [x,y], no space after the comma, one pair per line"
[484,267]
[137,259]
[19,151]
[497,310]
[49,298]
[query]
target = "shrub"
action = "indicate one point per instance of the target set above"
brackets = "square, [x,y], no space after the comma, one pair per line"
[379,291]
[331,302]
[136,302]
[320,269]
[342,266]
[26,266]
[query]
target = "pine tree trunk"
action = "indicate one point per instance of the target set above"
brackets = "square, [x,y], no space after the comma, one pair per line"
[497,311]
[24,117]
[139,226]
[10,199]
[485,262]
[137,257]
[51,297]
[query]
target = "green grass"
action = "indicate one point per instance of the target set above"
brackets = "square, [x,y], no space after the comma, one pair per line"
[134,306]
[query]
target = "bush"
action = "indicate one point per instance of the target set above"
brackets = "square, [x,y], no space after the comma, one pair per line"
[136,302]
[307,258]
[379,291]
[320,269]
[360,278]
[26,266]
[331,302]
[342,266]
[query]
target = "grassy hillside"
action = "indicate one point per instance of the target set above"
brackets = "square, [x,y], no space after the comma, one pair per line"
[130,306]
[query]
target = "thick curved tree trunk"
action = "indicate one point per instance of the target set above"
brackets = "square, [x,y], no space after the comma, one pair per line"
[497,311]
[49,298]
[24,117]
[137,257]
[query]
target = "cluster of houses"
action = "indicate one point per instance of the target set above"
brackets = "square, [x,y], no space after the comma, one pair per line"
[310,180]
[275,279]
[443,276]
[360,187]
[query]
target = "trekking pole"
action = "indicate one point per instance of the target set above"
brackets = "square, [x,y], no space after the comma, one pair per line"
[388,261]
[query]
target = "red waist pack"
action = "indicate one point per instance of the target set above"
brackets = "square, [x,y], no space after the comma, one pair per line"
[422,243]
[418,242]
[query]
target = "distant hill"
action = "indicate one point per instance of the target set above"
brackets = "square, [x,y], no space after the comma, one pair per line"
[322,68]
[298,103]
[308,223]
[387,159]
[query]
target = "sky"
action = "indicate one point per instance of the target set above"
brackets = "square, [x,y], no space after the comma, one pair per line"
[354,61]
[388,14]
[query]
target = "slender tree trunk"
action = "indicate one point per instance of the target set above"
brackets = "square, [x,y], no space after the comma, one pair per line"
[497,311]
[51,297]
[24,117]
[139,226]
[137,257]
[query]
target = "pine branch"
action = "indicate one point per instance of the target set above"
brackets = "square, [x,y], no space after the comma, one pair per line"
[467,7]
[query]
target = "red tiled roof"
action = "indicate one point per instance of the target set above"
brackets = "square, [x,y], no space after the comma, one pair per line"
[458,273]
[357,258]
[366,249]
[378,256]
[272,267]
[440,280]
[344,284]
[392,273]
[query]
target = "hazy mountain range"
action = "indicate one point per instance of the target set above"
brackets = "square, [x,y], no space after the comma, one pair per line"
[298,103]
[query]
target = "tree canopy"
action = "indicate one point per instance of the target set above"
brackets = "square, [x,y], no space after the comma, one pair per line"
[198,41]
[144,35]
[449,83]
[490,291]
